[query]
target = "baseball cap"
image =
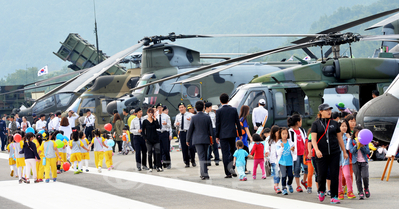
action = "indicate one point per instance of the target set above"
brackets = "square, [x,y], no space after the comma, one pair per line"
[208,104]
[262,102]
[34,115]
[324,107]
[215,107]
[189,106]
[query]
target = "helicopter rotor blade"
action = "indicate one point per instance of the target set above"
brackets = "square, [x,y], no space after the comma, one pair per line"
[257,35]
[328,53]
[379,37]
[30,88]
[384,22]
[240,60]
[349,25]
[310,53]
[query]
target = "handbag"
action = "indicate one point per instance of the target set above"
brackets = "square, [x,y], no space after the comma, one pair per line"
[268,168]
[313,151]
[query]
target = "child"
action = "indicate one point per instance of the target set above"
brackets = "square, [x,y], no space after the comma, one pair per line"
[99,145]
[298,136]
[30,152]
[20,159]
[285,152]
[257,153]
[129,143]
[274,136]
[76,156]
[84,150]
[11,156]
[265,135]
[344,165]
[359,161]
[39,164]
[108,152]
[309,163]
[49,148]
[125,139]
[239,160]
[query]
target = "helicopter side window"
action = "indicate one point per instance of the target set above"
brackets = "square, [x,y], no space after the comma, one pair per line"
[191,91]
[253,99]
[44,104]
[63,99]
[153,89]
[88,103]
[104,104]
[280,106]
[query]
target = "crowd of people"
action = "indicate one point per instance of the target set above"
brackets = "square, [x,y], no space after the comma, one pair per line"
[329,150]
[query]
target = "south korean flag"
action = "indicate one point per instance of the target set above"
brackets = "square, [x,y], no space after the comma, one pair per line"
[42,71]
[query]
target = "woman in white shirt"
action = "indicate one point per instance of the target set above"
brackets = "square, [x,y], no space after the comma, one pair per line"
[25,124]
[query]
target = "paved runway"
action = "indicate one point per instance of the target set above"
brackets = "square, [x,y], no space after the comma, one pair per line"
[178,187]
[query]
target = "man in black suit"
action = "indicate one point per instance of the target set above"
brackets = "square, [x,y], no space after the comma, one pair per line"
[227,123]
[199,134]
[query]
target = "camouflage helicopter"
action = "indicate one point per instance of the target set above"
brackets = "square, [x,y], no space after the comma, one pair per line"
[285,90]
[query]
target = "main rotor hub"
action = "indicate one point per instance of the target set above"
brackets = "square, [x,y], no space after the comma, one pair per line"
[333,39]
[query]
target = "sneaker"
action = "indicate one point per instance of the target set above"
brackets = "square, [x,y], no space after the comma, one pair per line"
[329,193]
[87,170]
[159,170]
[285,192]
[150,170]
[304,183]
[263,177]
[291,189]
[245,179]
[109,169]
[335,200]
[12,173]
[367,192]
[299,189]
[321,196]
[54,179]
[350,195]
[340,196]
[76,172]
[99,169]
[58,172]
[40,180]
[254,176]
[81,170]
[112,167]
[361,196]
[241,180]
[309,190]
[20,181]
[47,180]
[27,181]
[277,190]
[36,181]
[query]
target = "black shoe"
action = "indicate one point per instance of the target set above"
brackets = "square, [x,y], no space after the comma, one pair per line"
[204,177]
[217,164]
[159,170]
[187,166]
[138,169]
[145,168]
[228,177]
[193,163]
[211,156]
[234,175]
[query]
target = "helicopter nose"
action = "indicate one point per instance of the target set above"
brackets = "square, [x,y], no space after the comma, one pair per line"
[380,116]
[111,107]
[24,112]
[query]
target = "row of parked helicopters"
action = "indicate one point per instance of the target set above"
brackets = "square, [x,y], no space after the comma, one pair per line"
[170,74]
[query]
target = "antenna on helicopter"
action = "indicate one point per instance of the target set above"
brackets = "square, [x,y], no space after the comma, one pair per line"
[95,31]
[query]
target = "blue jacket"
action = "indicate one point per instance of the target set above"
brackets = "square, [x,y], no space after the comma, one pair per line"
[353,149]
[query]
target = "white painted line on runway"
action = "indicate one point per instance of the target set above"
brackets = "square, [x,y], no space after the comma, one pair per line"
[60,195]
[210,190]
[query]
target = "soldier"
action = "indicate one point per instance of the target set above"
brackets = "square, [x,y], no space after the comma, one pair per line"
[182,122]
[89,123]
[55,122]
[138,140]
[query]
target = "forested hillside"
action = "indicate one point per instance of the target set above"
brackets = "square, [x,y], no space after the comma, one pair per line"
[32,30]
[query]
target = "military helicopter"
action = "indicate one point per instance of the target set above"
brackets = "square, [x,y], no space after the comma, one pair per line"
[286,89]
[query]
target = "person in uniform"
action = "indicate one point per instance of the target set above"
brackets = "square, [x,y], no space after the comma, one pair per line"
[214,147]
[89,124]
[72,116]
[198,134]
[163,133]
[259,114]
[3,133]
[138,140]
[182,122]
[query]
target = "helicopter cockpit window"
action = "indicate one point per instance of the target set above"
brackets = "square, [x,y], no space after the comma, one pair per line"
[143,80]
[88,103]
[44,104]
[237,98]
[63,99]
[280,107]
[75,105]
[253,99]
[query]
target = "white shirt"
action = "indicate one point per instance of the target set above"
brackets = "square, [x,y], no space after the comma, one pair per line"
[72,119]
[165,118]
[18,125]
[135,126]
[213,118]
[40,124]
[67,130]
[54,124]
[258,115]
[89,120]
[186,122]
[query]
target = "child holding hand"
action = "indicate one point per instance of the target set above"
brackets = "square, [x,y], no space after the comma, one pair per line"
[239,160]
[285,149]
[258,155]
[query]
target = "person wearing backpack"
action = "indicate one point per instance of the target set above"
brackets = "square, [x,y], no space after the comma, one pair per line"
[244,111]
[298,136]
